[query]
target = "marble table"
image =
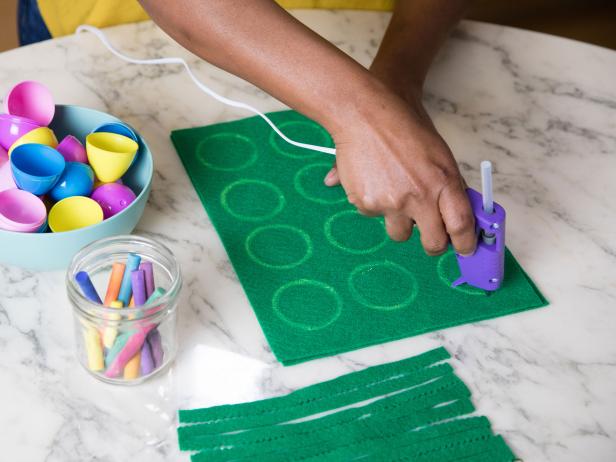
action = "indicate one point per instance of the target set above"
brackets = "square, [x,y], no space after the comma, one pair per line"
[542,108]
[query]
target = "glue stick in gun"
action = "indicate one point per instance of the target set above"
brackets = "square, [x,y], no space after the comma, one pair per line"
[485,269]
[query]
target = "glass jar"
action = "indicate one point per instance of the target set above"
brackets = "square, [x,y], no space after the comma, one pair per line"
[116,344]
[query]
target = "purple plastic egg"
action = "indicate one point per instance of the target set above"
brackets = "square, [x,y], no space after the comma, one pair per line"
[113,198]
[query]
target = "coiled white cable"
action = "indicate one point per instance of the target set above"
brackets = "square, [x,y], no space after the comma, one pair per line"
[229,102]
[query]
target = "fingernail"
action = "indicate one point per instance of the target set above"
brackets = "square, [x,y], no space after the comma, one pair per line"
[329,178]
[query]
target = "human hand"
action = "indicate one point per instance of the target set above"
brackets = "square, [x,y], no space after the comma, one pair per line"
[392,162]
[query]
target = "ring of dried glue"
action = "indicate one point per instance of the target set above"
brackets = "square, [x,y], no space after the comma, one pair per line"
[307,304]
[312,176]
[271,202]
[366,286]
[351,224]
[266,246]
[243,149]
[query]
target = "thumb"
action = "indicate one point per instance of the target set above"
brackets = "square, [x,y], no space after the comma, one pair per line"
[332,178]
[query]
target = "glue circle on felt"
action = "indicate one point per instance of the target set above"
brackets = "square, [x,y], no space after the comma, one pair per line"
[252,200]
[308,182]
[354,233]
[384,286]
[299,130]
[278,246]
[113,198]
[307,304]
[448,271]
[227,152]
[32,100]
[74,213]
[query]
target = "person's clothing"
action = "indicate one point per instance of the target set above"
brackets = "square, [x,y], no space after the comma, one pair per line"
[61,17]
[31,27]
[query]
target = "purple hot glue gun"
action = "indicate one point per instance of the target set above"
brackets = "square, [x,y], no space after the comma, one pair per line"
[485,269]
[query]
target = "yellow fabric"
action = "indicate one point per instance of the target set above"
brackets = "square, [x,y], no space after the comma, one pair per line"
[63,16]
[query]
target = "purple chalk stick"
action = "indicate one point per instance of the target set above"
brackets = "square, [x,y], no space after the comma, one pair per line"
[148,269]
[156,347]
[147,361]
[137,279]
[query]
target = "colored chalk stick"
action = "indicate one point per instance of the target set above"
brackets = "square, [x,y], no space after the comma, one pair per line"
[156,347]
[138,284]
[129,343]
[148,269]
[94,349]
[126,290]
[110,333]
[132,347]
[147,361]
[119,343]
[131,370]
[115,281]
[87,287]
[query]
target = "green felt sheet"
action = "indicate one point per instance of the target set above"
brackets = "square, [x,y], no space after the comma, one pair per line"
[428,420]
[321,278]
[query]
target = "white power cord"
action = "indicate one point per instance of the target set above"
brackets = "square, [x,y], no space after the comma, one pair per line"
[229,102]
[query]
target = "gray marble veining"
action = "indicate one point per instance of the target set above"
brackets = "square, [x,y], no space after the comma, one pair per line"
[543,109]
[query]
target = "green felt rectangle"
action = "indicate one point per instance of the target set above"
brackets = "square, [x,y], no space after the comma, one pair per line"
[321,278]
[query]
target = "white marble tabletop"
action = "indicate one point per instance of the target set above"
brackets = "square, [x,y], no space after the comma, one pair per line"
[542,108]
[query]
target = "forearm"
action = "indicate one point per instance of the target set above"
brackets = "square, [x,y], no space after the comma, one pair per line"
[417,30]
[260,42]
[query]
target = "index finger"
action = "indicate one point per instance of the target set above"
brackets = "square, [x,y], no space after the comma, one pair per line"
[458,218]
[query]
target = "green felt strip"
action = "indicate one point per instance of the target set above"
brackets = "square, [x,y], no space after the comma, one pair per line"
[424,418]
[343,390]
[359,429]
[401,404]
[365,446]
[321,278]
[418,383]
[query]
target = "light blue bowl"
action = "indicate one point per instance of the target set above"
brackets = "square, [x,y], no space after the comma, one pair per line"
[54,251]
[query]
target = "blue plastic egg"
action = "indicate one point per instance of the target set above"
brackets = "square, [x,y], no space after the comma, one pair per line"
[77,180]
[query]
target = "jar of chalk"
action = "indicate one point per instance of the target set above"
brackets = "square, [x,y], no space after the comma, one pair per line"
[124,292]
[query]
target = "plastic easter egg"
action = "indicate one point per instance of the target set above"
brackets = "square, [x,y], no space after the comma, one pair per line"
[6,177]
[36,168]
[118,128]
[74,213]
[76,180]
[12,128]
[72,150]
[32,100]
[41,135]
[113,198]
[110,155]
[21,211]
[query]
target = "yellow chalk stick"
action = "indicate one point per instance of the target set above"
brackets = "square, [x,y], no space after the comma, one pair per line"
[94,349]
[110,333]
[131,370]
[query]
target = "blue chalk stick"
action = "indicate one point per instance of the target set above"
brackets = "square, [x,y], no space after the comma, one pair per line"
[126,289]
[87,287]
